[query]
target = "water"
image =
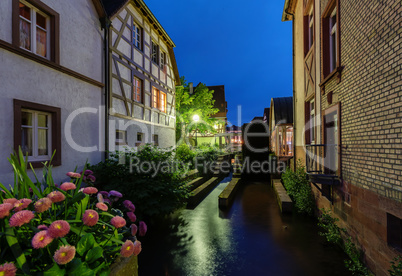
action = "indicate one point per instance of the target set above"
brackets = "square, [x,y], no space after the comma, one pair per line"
[251,238]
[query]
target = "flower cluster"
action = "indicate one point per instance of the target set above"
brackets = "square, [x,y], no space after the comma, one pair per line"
[67,222]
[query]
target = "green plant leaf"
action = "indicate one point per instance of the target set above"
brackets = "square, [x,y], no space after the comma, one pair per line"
[85,243]
[81,207]
[78,197]
[94,254]
[77,267]
[16,249]
[55,270]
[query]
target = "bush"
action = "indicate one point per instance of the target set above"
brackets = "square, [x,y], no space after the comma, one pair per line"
[396,266]
[150,177]
[299,189]
[186,155]
[50,230]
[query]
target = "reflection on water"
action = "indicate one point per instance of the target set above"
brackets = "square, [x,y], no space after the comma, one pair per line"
[251,238]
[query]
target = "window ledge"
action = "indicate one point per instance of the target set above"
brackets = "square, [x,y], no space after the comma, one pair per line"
[336,72]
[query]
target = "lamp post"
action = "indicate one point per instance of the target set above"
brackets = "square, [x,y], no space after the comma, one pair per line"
[196,118]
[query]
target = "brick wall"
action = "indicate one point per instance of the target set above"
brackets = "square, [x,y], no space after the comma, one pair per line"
[370,93]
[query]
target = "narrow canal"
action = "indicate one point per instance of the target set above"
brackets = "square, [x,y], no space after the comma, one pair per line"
[251,238]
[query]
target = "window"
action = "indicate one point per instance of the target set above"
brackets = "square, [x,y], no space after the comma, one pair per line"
[162,102]
[155,97]
[308,30]
[154,52]
[35,28]
[394,232]
[163,60]
[121,137]
[137,36]
[155,140]
[331,37]
[137,89]
[140,137]
[310,122]
[37,130]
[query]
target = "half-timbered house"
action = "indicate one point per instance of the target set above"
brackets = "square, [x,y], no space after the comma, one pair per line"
[141,79]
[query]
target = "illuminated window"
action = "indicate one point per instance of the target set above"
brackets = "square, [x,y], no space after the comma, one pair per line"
[162,102]
[137,89]
[155,97]
[34,34]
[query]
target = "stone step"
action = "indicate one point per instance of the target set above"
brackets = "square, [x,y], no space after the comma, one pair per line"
[200,192]
[284,201]
[194,183]
[227,195]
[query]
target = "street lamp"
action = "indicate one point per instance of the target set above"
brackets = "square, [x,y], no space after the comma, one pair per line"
[196,118]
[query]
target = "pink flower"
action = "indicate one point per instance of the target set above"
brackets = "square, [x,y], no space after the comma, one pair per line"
[91,178]
[90,190]
[64,254]
[104,194]
[131,216]
[115,193]
[42,227]
[10,200]
[102,206]
[137,248]
[127,249]
[118,222]
[21,217]
[73,175]
[129,205]
[41,239]
[43,205]
[21,204]
[5,209]
[67,186]
[8,269]
[88,172]
[59,229]
[134,229]
[90,217]
[56,196]
[143,229]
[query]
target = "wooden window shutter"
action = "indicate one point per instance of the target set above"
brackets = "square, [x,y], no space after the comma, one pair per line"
[307,123]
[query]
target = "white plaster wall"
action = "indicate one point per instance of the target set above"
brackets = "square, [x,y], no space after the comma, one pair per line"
[27,80]
[6,20]
[81,43]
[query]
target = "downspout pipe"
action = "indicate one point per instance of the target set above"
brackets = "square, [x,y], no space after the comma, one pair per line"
[105,22]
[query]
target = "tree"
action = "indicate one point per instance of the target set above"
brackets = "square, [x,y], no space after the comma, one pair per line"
[199,103]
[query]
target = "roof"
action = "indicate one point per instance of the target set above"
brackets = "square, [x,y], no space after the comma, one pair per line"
[257,119]
[112,7]
[265,116]
[289,10]
[283,110]
[220,100]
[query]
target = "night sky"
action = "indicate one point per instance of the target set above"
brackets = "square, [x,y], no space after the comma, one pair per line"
[243,45]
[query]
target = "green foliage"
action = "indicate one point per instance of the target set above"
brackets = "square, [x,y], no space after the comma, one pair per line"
[333,233]
[207,153]
[96,246]
[299,189]
[187,105]
[185,155]
[396,267]
[150,177]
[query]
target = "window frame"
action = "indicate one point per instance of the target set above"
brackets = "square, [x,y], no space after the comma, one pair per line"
[163,61]
[122,141]
[135,95]
[326,32]
[309,25]
[394,227]
[155,141]
[162,105]
[55,127]
[140,134]
[155,54]
[155,97]
[137,30]
[53,32]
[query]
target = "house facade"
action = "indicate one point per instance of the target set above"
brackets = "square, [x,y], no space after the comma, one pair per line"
[347,89]
[51,83]
[142,77]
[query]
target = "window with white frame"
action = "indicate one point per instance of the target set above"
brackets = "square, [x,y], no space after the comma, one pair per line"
[163,59]
[310,28]
[312,123]
[36,136]
[121,137]
[137,89]
[330,42]
[34,30]
[155,52]
[162,102]
[137,36]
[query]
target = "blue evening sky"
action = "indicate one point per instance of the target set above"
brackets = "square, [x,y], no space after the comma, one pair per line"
[243,45]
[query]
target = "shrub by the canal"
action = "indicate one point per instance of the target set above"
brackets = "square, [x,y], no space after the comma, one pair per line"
[336,235]
[47,229]
[150,177]
[185,155]
[299,189]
